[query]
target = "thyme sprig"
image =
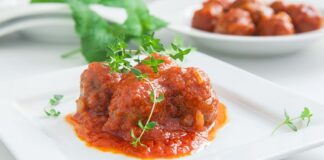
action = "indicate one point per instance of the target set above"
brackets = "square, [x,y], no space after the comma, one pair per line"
[50,111]
[288,121]
[120,60]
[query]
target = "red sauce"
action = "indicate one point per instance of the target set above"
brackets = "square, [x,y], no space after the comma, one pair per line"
[109,143]
[110,106]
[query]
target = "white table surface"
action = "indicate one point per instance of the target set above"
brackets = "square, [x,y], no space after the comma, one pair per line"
[302,72]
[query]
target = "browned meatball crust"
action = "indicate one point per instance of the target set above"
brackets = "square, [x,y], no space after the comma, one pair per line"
[206,18]
[305,17]
[279,24]
[258,11]
[236,22]
[226,4]
[97,85]
[189,104]
[279,6]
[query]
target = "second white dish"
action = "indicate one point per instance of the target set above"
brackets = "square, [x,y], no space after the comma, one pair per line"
[179,16]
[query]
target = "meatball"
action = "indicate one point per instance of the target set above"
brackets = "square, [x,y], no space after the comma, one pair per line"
[226,4]
[279,6]
[238,3]
[236,22]
[185,119]
[97,85]
[206,18]
[279,24]
[189,103]
[257,10]
[305,17]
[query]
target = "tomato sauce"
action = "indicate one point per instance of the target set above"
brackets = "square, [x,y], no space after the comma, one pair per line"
[108,143]
[111,105]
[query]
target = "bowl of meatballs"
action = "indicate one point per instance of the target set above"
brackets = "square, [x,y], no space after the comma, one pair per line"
[246,27]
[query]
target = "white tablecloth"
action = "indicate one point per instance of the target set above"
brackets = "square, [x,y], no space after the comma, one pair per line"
[302,72]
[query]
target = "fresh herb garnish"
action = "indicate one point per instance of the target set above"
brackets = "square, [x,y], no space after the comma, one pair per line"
[55,100]
[119,60]
[50,111]
[305,115]
[95,32]
[47,1]
[178,52]
[153,63]
[151,44]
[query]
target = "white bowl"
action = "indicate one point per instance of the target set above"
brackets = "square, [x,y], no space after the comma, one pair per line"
[179,13]
[51,30]
[50,22]
[42,22]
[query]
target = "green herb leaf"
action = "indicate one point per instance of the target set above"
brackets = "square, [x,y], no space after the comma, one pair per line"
[153,63]
[150,125]
[95,32]
[55,100]
[140,124]
[152,96]
[292,126]
[159,99]
[179,53]
[306,114]
[286,116]
[118,57]
[52,112]
[132,134]
[47,1]
[156,99]
[138,74]
[134,143]
[151,44]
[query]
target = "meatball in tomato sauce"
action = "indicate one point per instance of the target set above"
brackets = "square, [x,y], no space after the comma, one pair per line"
[236,22]
[226,4]
[279,24]
[189,104]
[305,17]
[279,6]
[111,105]
[258,11]
[96,88]
[206,18]
[238,3]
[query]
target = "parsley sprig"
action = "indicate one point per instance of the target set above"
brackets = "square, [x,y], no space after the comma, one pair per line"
[95,32]
[50,111]
[306,115]
[120,60]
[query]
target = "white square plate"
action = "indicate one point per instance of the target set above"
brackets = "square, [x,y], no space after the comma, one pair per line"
[254,105]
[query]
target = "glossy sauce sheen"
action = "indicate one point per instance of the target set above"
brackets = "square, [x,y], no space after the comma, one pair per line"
[111,104]
[108,143]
